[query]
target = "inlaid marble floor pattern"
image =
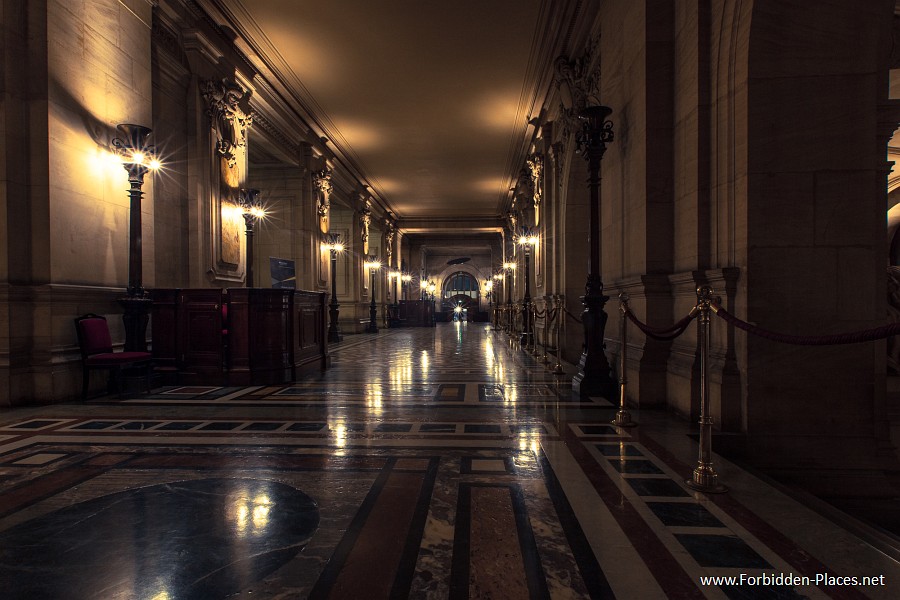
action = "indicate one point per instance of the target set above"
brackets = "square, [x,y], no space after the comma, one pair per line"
[426,463]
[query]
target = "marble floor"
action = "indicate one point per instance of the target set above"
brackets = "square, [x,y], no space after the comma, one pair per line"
[426,463]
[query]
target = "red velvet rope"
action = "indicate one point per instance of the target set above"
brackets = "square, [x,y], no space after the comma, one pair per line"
[668,333]
[855,337]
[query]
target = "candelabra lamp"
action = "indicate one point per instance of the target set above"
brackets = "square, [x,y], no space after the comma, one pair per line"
[138,158]
[372,264]
[527,240]
[334,245]
[593,377]
[252,209]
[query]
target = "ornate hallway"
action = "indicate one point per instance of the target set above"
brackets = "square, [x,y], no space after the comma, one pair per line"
[426,463]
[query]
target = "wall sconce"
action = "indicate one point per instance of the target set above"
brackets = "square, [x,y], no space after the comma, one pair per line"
[138,157]
[252,209]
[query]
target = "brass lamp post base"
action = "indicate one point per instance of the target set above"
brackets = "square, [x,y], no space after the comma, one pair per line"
[623,419]
[706,480]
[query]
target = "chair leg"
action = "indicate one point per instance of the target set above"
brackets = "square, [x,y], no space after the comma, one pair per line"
[85,383]
[149,377]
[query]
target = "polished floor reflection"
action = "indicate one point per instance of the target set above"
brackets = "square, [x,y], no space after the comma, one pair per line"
[426,463]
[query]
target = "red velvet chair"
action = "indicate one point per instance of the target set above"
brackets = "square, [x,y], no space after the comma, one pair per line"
[97,353]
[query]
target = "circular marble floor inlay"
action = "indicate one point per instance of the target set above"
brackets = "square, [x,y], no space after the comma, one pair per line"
[207,538]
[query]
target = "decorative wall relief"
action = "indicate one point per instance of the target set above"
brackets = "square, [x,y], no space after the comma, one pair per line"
[578,82]
[512,222]
[365,219]
[389,232]
[228,109]
[535,167]
[323,187]
[232,222]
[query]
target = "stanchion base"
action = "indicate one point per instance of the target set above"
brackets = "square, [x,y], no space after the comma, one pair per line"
[623,419]
[558,370]
[705,481]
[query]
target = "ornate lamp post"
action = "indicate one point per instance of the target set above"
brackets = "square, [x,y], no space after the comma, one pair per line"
[395,277]
[593,377]
[498,277]
[405,278]
[334,245]
[527,240]
[138,158]
[509,267]
[394,308]
[253,211]
[489,292]
[372,264]
[432,288]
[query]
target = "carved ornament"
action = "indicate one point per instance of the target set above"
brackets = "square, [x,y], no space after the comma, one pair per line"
[322,182]
[227,104]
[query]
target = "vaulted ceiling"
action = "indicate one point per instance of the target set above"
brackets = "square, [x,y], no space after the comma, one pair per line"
[428,100]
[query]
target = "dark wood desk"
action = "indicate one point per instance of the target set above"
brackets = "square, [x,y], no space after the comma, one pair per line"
[239,336]
[415,313]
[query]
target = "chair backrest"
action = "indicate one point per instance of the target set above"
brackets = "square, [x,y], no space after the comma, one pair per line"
[93,334]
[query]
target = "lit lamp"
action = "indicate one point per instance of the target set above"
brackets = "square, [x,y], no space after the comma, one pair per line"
[333,244]
[372,264]
[138,157]
[527,240]
[252,210]
[594,377]
[509,267]
[423,287]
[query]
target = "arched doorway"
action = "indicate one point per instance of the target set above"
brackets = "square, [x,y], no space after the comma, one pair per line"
[459,296]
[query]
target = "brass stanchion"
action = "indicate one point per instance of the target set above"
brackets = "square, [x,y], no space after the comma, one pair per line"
[561,315]
[704,478]
[623,417]
[533,343]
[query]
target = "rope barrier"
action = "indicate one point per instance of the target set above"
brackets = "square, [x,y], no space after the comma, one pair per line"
[554,312]
[668,333]
[854,337]
[573,317]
